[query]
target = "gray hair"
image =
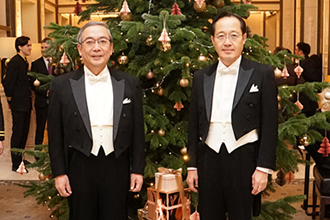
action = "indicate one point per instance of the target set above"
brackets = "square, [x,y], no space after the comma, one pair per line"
[93,23]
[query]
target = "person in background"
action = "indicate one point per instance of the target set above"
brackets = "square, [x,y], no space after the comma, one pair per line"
[2,130]
[95,131]
[312,72]
[17,88]
[232,133]
[44,66]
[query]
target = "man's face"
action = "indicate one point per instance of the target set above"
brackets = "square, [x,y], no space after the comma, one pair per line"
[228,40]
[95,48]
[26,49]
[44,46]
[298,52]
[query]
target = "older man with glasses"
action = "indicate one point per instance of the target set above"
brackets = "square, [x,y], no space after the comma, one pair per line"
[96,134]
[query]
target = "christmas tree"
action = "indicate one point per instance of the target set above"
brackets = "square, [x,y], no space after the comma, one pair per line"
[164,43]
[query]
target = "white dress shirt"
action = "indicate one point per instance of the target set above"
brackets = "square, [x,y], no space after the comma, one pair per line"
[99,97]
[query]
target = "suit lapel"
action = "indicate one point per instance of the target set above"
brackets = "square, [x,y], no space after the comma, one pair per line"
[79,94]
[209,79]
[118,86]
[242,81]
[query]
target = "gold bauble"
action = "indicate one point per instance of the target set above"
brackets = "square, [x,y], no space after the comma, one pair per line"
[185,157]
[126,17]
[184,82]
[183,150]
[279,106]
[150,41]
[166,47]
[150,75]
[218,3]
[42,177]
[305,140]
[202,58]
[161,132]
[123,59]
[199,9]
[279,97]
[277,73]
[160,91]
[327,95]
[36,83]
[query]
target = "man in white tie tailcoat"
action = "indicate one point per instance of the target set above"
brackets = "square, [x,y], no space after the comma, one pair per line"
[232,127]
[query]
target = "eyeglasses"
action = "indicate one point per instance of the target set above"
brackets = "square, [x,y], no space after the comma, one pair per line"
[90,42]
[231,37]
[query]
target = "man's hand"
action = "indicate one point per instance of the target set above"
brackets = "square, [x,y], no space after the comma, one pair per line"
[136,182]
[259,181]
[63,186]
[192,180]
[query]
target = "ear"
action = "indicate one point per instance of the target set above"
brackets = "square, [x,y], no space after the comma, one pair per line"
[244,38]
[212,39]
[79,49]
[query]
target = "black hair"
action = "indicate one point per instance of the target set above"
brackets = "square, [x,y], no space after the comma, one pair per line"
[21,41]
[223,14]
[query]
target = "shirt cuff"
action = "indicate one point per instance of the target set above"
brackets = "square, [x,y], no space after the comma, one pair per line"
[265,170]
[191,168]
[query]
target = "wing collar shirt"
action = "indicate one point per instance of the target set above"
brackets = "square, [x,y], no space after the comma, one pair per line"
[221,130]
[99,95]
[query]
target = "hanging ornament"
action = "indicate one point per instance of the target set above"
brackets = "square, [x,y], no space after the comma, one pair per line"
[183,151]
[123,59]
[166,47]
[298,70]
[325,147]
[199,8]
[164,36]
[285,73]
[126,17]
[279,106]
[150,75]
[150,41]
[184,82]
[298,103]
[21,169]
[36,83]
[176,10]
[83,1]
[279,98]
[202,58]
[280,180]
[77,9]
[200,2]
[305,140]
[161,132]
[327,95]
[194,216]
[178,106]
[160,91]
[185,157]
[218,3]
[289,177]
[125,9]
[42,177]
[64,59]
[278,73]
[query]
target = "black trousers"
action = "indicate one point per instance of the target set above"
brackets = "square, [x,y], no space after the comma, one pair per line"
[225,183]
[41,118]
[100,186]
[21,125]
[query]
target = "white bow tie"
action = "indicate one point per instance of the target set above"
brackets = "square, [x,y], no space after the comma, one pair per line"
[229,70]
[99,78]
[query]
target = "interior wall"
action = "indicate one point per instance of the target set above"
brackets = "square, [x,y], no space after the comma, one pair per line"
[3,22]
[270,31]
[311,24]
[30,20]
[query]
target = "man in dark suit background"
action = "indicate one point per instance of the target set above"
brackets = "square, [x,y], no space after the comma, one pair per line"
[17,88]
[42,65]
[96,132]
[232,127]
[312,72]
[2,130]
